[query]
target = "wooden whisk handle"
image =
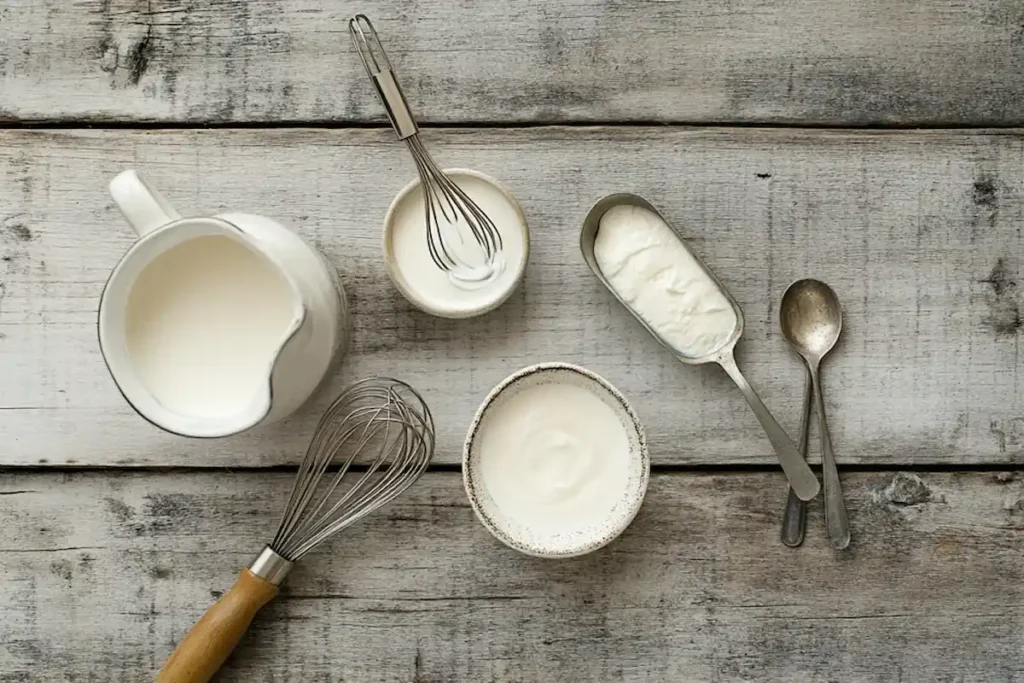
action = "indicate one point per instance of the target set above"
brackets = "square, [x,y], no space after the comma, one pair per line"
[204,649]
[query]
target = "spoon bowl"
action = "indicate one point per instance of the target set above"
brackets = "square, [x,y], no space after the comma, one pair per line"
[811,318]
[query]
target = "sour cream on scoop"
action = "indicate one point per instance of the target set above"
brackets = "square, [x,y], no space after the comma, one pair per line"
[646,262]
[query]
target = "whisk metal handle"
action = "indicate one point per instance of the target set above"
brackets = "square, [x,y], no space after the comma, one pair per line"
[209,643]
[395,104]
[378,68]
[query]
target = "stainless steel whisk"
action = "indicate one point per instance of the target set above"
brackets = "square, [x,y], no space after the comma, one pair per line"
[441,196]
[380,420]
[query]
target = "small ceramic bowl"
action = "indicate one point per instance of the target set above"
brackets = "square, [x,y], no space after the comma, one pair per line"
[521,504]
[425,285]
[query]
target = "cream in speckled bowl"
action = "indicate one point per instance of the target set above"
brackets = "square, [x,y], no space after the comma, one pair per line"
[555,463]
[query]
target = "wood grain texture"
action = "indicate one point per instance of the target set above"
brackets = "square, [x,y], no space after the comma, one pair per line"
[918,232]
[203,650]
[104,573]
[793,61]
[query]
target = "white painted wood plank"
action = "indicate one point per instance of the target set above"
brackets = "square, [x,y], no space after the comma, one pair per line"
[103,573]
[880,61]
[919,233]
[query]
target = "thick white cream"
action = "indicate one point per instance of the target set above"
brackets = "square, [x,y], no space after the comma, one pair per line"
[652,270]
[203,325]
[476,284]
[556,461]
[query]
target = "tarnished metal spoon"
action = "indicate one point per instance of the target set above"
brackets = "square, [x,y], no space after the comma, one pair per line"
[811,320]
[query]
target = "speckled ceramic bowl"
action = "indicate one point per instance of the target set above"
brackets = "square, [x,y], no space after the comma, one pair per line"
[576,541]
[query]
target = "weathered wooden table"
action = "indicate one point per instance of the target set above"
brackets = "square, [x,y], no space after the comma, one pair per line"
[782,136]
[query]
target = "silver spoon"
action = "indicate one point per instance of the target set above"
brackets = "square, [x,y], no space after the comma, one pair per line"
[811,320]
[800,476]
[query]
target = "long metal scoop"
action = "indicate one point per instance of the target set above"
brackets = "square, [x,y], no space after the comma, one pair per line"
[801,478]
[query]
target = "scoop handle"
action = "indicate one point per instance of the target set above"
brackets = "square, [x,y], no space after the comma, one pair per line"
[204,649]
[801,478]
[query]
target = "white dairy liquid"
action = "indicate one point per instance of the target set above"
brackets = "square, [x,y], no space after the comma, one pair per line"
[652,270]
[555,459]
[204,322]
[477,282]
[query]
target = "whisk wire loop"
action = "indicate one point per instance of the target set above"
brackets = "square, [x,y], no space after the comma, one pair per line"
[315,519]
[380,421]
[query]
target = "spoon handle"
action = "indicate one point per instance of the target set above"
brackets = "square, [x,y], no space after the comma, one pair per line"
[835,509]
[794,521]
[800,476]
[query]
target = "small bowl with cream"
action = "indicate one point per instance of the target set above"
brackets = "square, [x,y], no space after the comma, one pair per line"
[485,284]
[555,462]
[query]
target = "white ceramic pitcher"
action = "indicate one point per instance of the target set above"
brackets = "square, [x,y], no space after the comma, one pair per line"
[213,325]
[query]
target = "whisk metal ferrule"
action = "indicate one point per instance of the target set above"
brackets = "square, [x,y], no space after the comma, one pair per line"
[270,566]
[378,67]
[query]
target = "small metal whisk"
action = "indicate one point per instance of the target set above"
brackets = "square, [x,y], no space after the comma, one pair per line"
[380,422]
[441,196]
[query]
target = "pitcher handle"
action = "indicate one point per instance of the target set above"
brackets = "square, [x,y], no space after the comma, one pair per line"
[144,208]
